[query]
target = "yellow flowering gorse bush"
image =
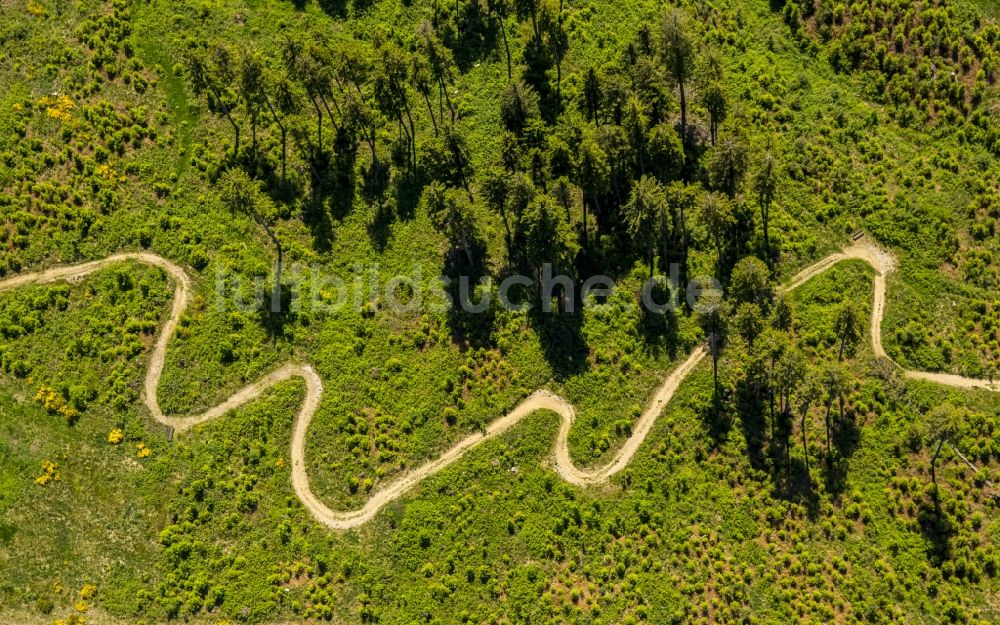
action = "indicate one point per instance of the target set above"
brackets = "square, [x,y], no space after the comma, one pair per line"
[50,472]
[58,107]
[54,403]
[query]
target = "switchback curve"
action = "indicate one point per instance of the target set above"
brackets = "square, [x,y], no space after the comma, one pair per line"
[882,262]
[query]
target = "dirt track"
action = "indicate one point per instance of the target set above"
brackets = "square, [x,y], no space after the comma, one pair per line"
[882,262]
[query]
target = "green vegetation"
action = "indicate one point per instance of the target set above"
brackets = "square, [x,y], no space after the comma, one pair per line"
[798,479]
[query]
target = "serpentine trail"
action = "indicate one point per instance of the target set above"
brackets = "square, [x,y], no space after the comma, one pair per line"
[882,262]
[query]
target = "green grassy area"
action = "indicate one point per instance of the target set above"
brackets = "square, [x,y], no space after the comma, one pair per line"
[723,516]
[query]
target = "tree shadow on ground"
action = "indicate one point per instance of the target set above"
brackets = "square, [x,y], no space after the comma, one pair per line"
[333,8]
[560,333]
[289,191]
[276,323]
[380,225]
[846,437]
[753,424]
[408,188]
[341,184]
[798,487]
[716,419]
[316,218]
[659,329]
[779,446]
[938,529]
[473,36]
[471,325]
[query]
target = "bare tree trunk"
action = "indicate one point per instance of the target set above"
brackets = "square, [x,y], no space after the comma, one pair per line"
[284,135]
[441,101]
[312,165]
[666,262]
[329,113]
[715,365]
[430,110]
[225,111]
[508,237]
[765,210]
[805,443]
[284,153]
[684,235]
[467,249]
[319,124]
[829,449]
[413,136]
[683,112]
[506,47]
[559,81]
[253,132]
[276,292]
[934,459]
[447,98]
[770,392]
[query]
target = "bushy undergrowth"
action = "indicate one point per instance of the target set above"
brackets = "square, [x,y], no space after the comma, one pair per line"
[745,503]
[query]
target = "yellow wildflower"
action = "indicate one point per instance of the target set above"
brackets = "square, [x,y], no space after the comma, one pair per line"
[55,404]
[36,9]
[88,590]
[49,398]
[108,173]
[58,107]
[50,471]
[69,412]
[115,436]
[81,606]
[143,451]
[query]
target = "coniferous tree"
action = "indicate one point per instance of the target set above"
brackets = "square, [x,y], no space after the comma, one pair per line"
[848,328]
[716,216]
[592,96]
[712,95]
[727,165]
[678,54]
[765,186]
[451,213]
[644,216]
[591,175]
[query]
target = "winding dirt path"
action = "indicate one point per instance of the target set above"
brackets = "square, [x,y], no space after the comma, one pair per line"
[882,262]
